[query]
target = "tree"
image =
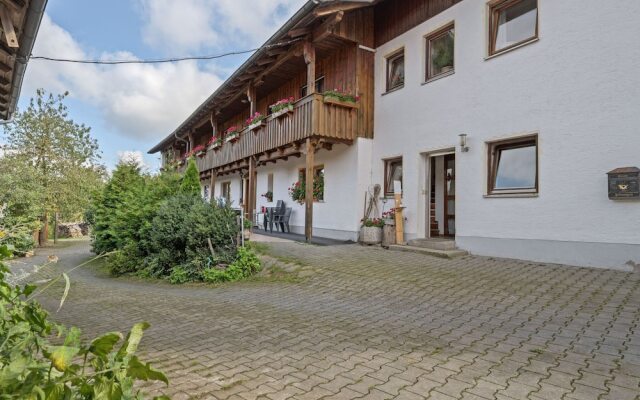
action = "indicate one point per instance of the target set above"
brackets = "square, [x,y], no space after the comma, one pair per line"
[59,154]
[191,180]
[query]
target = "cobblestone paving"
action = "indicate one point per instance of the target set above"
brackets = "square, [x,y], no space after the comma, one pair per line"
[375,324]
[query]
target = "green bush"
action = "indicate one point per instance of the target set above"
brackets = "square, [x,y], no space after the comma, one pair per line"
[31,367]
[246,265]
[180,234]
[191,180]
[124,261]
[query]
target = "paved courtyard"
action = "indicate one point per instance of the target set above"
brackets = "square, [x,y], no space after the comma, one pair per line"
[374,324]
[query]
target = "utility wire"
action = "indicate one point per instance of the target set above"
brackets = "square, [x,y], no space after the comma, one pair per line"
[161,60]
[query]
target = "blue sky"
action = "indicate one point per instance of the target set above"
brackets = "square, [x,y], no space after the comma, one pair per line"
[130,108]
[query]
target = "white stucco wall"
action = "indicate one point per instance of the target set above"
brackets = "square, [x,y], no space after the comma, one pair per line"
[347,174]
[578,87]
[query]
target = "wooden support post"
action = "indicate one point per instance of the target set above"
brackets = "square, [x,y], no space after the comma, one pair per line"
[251,95]
[399,218]
[251,188]
[7,27]
[309,53]
[191,142]
[308,195]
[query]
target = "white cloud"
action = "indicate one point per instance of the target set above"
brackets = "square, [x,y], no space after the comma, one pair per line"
[133,156]
[179,26]
[142,100]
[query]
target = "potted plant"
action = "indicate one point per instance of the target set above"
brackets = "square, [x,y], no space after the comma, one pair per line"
[214,143]
[268,196]
[389,217]
[232,134]
[255,122]
[371,231]
[247,226]
[282,107]
[340,98]
[297,191]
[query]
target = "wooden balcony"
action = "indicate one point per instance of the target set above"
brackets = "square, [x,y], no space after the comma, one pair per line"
[280,137]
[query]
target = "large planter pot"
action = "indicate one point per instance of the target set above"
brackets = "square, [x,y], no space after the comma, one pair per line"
[247,234]
[371,235]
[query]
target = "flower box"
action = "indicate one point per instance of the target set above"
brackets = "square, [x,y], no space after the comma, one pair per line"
[283,112]
[340,103]
[257,125]
[214,146]
[201,153]
[233,137]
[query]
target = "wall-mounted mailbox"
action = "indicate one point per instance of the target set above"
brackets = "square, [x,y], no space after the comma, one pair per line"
[624,184]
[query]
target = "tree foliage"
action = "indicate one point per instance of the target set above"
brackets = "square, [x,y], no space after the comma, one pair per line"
[51,162]
[32,367]
[191,180]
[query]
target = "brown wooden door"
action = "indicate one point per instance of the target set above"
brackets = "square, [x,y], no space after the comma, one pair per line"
[450,195]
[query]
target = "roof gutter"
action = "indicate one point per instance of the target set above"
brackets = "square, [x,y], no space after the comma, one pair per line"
[27,39]
[294,20]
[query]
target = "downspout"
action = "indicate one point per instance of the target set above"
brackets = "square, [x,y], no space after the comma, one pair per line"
[27,40]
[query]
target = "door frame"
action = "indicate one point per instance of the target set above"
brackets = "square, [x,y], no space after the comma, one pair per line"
[447,197]
[427,157]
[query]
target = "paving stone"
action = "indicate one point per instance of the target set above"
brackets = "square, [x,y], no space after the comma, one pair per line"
[368,323]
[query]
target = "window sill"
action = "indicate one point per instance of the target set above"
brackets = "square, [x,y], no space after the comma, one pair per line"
[510,195]
[438,77]
[510,49]
[395,89]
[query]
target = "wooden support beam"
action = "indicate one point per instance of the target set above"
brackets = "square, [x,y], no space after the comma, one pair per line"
[251,195]
[298,32]
[309,53]
[266,61]
[284,57]
[275,51]
[7,27]
[253,101]
[341,7]
[308,196]
[327,27]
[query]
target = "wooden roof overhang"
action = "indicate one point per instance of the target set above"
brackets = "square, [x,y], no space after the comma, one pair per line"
[271,65]
[19,24]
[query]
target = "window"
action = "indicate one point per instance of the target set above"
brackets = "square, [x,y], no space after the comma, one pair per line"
[319,87]
[226,191]
[392,173]
[440,52]
[395,70]
[318,181]
[205,192]
[513,166]
[512,22]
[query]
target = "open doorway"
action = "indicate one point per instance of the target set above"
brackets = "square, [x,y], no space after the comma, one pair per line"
[442,196]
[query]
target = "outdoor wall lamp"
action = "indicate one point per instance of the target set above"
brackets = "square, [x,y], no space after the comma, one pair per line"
[463,143]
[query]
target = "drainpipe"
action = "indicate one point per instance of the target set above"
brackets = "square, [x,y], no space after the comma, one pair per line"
[27,40]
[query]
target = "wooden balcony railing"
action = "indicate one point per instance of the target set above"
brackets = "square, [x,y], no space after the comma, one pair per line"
[311,117]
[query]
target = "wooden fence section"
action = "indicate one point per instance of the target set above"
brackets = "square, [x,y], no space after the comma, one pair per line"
[311,117]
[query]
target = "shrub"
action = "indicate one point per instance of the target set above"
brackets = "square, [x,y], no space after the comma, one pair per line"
[179,275]
[33,368]
[246,265]
[191,180]
[124,261]
[180,234]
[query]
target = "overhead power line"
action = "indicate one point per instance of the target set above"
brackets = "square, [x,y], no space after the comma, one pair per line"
[161,60]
